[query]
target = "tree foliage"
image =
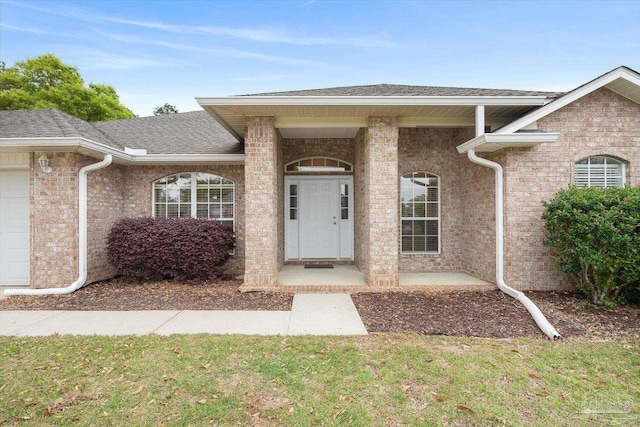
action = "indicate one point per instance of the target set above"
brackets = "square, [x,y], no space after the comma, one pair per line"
[165,109]
[47,82]
[596,233]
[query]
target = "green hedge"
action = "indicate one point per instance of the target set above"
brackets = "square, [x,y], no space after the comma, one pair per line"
[596,234]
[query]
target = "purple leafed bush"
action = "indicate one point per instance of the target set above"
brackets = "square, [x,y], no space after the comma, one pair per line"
[168,248]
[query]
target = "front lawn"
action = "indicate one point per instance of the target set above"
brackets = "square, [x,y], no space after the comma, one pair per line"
[382,379]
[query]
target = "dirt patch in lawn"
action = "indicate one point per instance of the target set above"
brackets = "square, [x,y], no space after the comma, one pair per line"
[124,294]
[492,314]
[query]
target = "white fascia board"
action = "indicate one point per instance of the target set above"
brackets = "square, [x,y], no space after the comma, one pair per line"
[508,140]
[618,73]
[532,100]
[75,143]
[180,159]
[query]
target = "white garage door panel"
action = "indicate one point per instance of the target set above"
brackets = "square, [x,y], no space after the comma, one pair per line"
[14,228]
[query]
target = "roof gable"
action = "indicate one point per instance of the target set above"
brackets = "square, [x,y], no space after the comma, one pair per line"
[622,80]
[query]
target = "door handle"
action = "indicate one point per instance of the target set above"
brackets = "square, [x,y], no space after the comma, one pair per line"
[334,223]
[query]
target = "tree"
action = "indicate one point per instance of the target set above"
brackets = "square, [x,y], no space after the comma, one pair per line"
[165,109]
[46,82]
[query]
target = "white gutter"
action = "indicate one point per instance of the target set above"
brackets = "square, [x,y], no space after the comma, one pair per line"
[537,315]
[493,142]
[52,144]
[270,100]
[82,237]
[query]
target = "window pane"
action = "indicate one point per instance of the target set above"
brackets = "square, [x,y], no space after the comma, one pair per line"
[227,195]
[185,211]
[293,214]
[172,210]
[202,178]
[344,189]
[215,211]
[407,228]
[432,228]
[432,244]
[332,163]
[344,202]
[432,210]
[294,202]
[419,210]
[160,195]
[407,244]
[215,195]
[419,244]
[407,210]
[344,214]
[161,210]
[202,195]
[432,194]
[419,228]
[185,195]
[227,211]
[202,210]
[293,189]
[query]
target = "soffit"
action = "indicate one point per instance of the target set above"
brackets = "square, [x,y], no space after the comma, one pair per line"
[233,116]
[625,88]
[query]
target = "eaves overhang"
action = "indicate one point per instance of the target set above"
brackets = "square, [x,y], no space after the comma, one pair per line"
[98,150]
[490,142]
[231,111]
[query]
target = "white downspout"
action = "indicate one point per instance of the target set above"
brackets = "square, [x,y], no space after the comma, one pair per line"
[537,315]
[82,237]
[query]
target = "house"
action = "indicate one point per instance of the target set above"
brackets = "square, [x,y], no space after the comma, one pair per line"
[389,178]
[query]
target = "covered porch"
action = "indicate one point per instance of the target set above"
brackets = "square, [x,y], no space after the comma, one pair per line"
[347,278]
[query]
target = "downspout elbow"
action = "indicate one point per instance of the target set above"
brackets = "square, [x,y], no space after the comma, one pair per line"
[82,237]
[545,326]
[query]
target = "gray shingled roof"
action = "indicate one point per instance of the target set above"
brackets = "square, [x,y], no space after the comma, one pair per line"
[404,90]
[48,123]
[195,132]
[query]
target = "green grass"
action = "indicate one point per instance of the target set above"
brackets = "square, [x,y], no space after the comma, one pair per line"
[382,379]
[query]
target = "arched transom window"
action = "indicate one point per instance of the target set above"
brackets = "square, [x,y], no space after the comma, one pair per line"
[318,164]
[194,195]
[599,171]
[420,212]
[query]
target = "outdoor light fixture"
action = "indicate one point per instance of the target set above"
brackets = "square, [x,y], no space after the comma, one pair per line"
[44,163]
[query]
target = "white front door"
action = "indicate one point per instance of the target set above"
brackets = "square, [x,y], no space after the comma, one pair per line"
[319,218]
[14,228]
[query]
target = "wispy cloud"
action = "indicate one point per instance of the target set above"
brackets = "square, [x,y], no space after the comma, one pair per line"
[92,59]
[22,29]
[234,53]
[264,35]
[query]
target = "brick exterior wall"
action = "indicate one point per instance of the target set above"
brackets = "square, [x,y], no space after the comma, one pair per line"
[433,150]
[381,188]
[338,148]
[601,123]
[54,221]
[280,174]
[261,192]
[359,210]
[137,197]
[105,196]
[478,209]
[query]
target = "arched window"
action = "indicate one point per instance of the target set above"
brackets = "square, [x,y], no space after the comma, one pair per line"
[194,195]
[599,171]
[318,164]
[420,213]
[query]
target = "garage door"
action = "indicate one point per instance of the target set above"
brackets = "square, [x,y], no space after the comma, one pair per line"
[14,228]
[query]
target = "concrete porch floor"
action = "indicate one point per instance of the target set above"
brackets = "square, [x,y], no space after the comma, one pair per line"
[348,277]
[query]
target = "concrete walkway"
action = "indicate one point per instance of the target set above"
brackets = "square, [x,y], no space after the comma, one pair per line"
[311,314]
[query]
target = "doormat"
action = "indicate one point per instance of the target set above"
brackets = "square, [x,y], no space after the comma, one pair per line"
[318,266]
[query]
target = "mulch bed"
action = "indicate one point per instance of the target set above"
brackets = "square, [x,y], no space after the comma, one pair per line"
[460,313]
[493,314]
[124,294]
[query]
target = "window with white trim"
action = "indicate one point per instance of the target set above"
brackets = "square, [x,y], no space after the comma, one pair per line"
[194,195]
[600,172]
[420,213]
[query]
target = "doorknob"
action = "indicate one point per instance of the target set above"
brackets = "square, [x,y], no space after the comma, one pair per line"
[334,223]
[334,217]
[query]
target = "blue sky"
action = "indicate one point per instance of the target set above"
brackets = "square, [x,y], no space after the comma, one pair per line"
[154,52]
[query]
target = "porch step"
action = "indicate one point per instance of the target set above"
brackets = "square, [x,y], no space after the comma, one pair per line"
[319,261]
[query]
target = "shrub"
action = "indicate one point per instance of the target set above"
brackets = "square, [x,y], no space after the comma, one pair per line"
[596,233]
[168,248]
